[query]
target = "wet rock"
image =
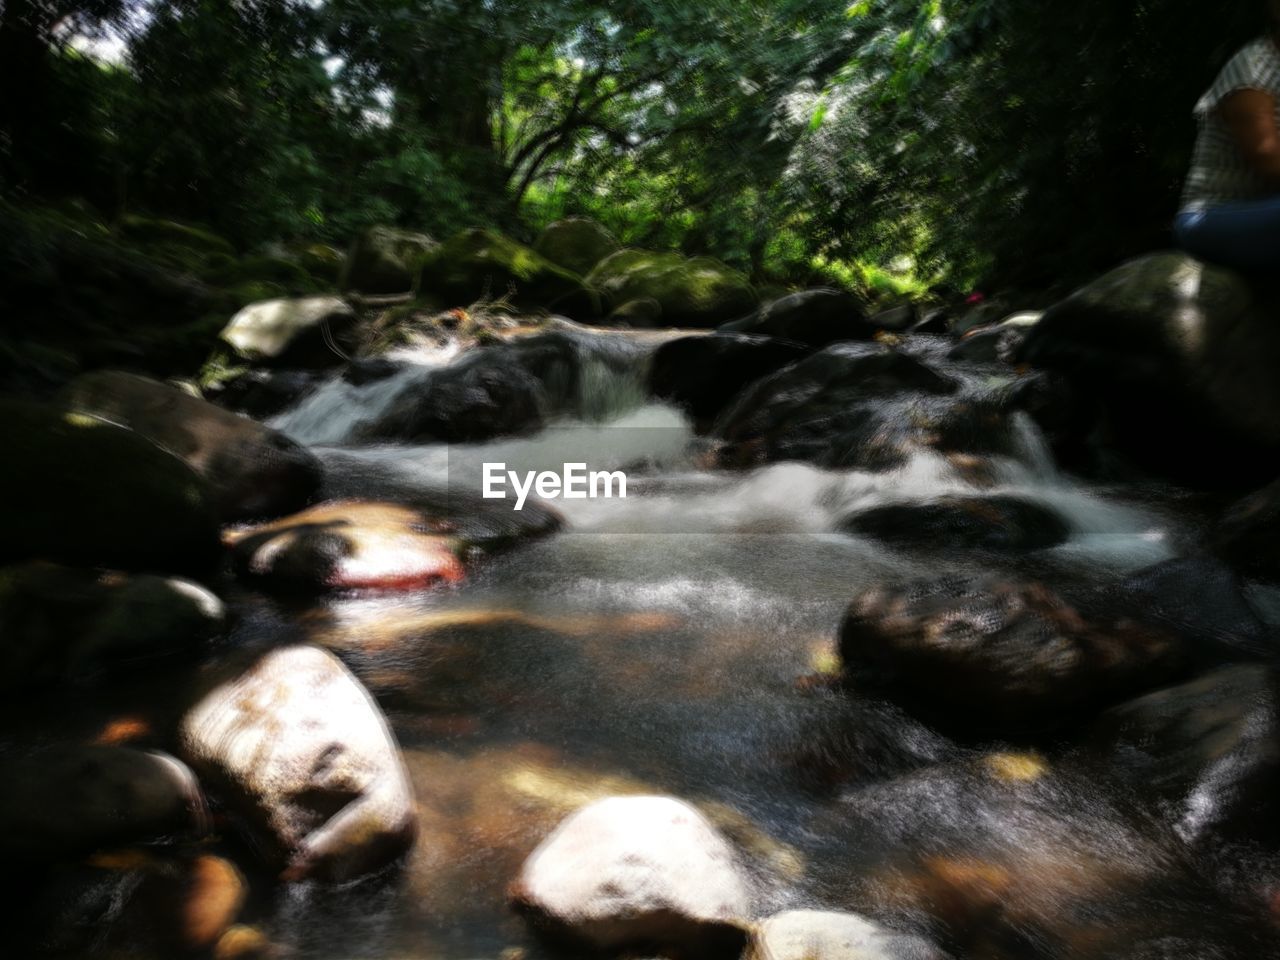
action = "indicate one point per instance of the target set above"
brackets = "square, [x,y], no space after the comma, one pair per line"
[1200,600]
[1010,857]
[299,748]
[262,393]
[385,260]
[959,522]
[61,623]
[244,943]
[1246,534]
[69,801]
[364,370]
[294,332]
[576,243]
[1181,357]
[638,872]
[698,293]
[896,319]
[81,490]
[1209,749]
[501,390]
[347,545]
[828,935]
[997,342]
[479,264]
[834,408]
[252,470]
[704,374]
[1001,654]
[816,318]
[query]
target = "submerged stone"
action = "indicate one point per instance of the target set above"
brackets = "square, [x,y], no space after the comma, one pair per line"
[349,545]
[962,522]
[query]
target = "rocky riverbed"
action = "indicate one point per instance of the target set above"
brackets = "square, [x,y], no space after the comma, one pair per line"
[906,642]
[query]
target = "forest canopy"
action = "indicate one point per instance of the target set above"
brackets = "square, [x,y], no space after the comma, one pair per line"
[989,143]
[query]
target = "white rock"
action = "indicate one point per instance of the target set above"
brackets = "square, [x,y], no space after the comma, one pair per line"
[303,750]
[821,935]
[266,329]
[638,870]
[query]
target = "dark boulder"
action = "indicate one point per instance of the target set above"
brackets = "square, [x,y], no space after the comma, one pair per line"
[252,470]
[1209,750]
[261,392]
[704,374]
[504,389]
[68,801]
[850,405]
[1003,654]
[81,490]
[816,318]
[1182,359]
[63,623]
[960,522]
[1246,535]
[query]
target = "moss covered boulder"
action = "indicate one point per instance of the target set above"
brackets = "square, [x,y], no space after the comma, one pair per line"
[698,292]
[576,244]
[386,260]
[478,264]
[252,470]
[83,491]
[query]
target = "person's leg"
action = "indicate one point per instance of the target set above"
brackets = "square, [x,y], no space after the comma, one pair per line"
[1244,236]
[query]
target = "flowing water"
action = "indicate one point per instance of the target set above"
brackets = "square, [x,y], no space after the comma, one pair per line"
[675,642]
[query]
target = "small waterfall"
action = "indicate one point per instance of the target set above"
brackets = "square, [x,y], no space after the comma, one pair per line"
[1032,448]
[613,377]
[333,411]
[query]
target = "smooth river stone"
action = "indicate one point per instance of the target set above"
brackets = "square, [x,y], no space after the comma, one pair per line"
[822,935]
[301,750]
[638,871]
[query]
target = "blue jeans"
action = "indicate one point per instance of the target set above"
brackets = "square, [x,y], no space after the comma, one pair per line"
[1243,236]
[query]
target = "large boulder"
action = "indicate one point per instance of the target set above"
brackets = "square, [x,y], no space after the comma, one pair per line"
[638,871]
[252,470]
[349,545]
[1247,534]
[699,292]
[68,801]
[576,243]
[64,623]
[999,522]
[1182,357]
[851,405]
[828,935]
[480,264]
[1209,750]
[385,260]
[1000,654]
[702,374]
[502,390]
[816,318]
[84,491]
[296,332]
[299,748]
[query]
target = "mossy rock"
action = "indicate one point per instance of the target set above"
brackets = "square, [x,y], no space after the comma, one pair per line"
[480,264]
[80,490]
[323,261]
[386,260]
[291,276]
[697,292]
[151,231]
[576,244]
